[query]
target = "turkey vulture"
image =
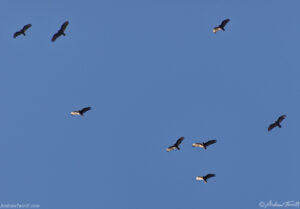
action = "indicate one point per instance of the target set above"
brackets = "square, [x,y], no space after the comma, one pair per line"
[204,178]
[204,144]
[176,145]
[61,31]
[277,123]
[81,112]
[221,27]
[22,31]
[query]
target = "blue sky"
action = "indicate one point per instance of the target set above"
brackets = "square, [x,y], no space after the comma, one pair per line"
[152,71]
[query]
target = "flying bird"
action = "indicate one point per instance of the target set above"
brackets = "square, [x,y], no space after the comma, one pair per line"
[221,27]
[22,31]
[176,145]
[277,123]
[61,31]
[204,144]
[81,112]
[204,178]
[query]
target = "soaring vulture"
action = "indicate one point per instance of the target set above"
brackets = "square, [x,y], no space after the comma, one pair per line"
[61,31]
[22,31]
[221,27]
[81,112]
[277,123]
[204,144]
[176,145]
[204,178]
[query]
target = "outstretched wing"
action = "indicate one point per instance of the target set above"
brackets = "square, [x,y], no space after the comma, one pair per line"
[26,27]
[171,148]
[209,175]
[197,145]
[55,36]
[224,22]
[281,118]
[64,26]
[210,142]
[179,141]
[83,110]
[16,34]
[273,125]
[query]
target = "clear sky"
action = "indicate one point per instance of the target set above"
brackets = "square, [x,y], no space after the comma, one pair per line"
[152,71]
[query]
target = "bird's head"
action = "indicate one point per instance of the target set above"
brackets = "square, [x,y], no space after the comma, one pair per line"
[74,113]
[199,178]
